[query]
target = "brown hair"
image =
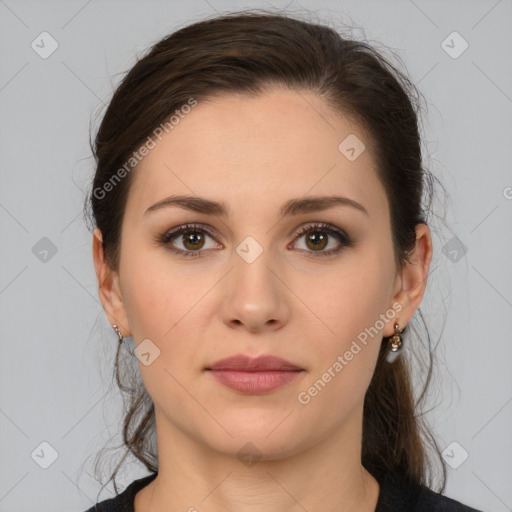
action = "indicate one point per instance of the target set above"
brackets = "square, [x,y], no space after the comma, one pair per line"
[247,52]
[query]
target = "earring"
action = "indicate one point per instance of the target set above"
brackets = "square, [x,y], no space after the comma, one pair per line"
[121,337]
[395,341]
[394,344]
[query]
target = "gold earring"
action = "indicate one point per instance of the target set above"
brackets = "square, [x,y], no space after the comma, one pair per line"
[394,344]
[395,341]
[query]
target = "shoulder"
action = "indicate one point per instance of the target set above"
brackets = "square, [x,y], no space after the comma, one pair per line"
[397,494]
[434,502]
[123,502]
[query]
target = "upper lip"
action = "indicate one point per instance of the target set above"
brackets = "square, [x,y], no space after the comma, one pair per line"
[244,363]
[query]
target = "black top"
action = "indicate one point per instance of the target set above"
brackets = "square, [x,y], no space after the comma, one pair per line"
[396,495]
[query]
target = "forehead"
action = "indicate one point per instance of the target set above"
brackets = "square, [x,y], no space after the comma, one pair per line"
[280,144]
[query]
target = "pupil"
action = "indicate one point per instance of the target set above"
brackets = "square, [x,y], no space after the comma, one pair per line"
[318,240]
[193,239]
[317,237]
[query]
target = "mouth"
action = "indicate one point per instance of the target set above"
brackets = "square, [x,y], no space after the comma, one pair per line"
[254,376]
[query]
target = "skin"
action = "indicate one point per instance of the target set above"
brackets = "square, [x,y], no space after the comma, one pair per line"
[255,154]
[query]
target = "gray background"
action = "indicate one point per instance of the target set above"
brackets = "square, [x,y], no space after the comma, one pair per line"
[57,346]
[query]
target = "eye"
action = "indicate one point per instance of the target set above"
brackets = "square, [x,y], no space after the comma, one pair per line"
[317,238]
[192,238]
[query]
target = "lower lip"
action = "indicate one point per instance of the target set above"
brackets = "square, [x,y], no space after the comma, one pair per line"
[254,383]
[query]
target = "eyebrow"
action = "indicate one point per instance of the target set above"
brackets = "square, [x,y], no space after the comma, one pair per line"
[291,207]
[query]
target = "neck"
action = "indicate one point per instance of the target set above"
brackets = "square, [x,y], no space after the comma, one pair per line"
[325,477]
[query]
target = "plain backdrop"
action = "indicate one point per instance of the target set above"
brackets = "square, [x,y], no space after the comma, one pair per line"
[55,338]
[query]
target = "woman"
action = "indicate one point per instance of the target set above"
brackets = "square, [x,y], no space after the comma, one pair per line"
[260,213]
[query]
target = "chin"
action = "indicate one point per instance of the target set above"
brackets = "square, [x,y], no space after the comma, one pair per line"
[262,441]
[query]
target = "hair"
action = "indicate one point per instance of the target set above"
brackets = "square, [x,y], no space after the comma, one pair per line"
[248,53]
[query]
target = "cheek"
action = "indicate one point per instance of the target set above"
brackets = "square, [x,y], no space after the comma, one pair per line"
[349,309]
[348,298]
[156,293]
[345,355]
[165,304]
[160,307]
[149,304]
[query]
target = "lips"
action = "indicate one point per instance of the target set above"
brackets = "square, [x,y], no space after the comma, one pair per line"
[259,364]
[254,376]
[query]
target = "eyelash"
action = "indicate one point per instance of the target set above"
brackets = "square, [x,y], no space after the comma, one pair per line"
[339,235]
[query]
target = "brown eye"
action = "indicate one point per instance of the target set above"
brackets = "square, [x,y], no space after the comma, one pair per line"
[192,238]
[316,240]
[319,236]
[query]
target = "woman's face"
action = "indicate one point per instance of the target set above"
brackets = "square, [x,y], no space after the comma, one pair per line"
[243,282]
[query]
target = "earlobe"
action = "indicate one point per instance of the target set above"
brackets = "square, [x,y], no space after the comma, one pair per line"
[108,286]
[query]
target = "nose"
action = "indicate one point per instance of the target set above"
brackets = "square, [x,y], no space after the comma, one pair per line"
[255,296]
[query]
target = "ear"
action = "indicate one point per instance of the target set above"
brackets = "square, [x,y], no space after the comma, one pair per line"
[108,286]
[412,278]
